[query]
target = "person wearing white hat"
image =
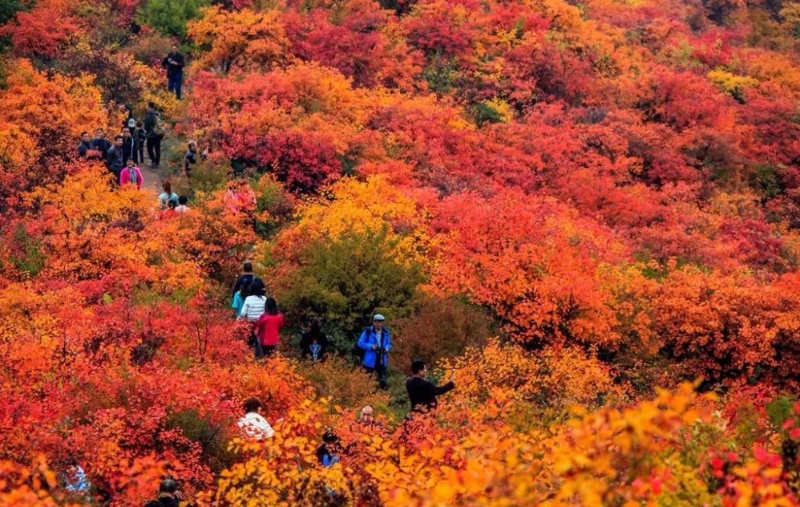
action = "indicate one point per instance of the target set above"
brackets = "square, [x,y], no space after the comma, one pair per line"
[376,342]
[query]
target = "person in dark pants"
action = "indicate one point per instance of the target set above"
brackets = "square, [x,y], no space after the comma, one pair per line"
[101,144]
[153,134]
[190,158]
[129,148]
[376,342]
[141,139]
[129,122]
[174,64]
[421,392]
[115,161]
[168,495]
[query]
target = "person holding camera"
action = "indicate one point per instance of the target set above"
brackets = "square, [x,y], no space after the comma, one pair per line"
[376,342]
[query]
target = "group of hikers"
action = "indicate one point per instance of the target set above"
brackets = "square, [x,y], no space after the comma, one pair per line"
[249,299]
[126,152]
[252,305]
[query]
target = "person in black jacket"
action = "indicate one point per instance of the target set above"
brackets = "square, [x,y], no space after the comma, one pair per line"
[101,144]
[129,148]
[168,495]
[152,134]
[246,278]
[115,161]
[314,342]
[174,64]
[421,392]
[140,137]
[85,145]
[129,122]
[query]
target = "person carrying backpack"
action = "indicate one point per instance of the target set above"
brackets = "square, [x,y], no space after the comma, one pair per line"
[376,342]
[154,133]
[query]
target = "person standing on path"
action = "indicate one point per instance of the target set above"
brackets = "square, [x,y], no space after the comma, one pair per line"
[129,122]
[129,148]
[141,139]
[253,308]
[421,392]
[268,327]
[376,342]
[115,160]
[131,174]
[174,64]
[246,277]
[154,133]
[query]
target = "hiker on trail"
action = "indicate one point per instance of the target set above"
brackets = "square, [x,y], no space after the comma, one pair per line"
[101,144]
[268,328]
[247,276]
[167,195]
[328,452]
[253,425]
[154,132]
[129,123]
[182,207]
[376,342]
[129,148]
[140,136]
[190,158]
[168,495]
[314,343]
[421,392]
[238,298]
[255,304]
[174,64]
[86,148]
[131,174]
[115,160]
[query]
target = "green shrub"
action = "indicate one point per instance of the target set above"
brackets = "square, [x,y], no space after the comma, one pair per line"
[170,16]
[29,257]
[344,281]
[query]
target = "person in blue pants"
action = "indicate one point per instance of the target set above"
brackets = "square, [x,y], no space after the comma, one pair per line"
[174,64]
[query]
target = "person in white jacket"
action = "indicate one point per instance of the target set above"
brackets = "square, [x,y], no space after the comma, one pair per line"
[253,425]
[255,302]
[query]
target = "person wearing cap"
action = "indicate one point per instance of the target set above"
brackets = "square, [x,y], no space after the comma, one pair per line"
[376,342]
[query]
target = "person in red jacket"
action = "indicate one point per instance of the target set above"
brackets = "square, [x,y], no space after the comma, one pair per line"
[132,175]
[268,327]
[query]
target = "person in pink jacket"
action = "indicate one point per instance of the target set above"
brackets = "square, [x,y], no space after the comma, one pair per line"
[131,174]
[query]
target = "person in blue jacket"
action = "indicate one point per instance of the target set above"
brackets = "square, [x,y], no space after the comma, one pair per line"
[376,342]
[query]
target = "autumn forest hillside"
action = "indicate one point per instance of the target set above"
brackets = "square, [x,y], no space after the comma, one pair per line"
[586,213]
